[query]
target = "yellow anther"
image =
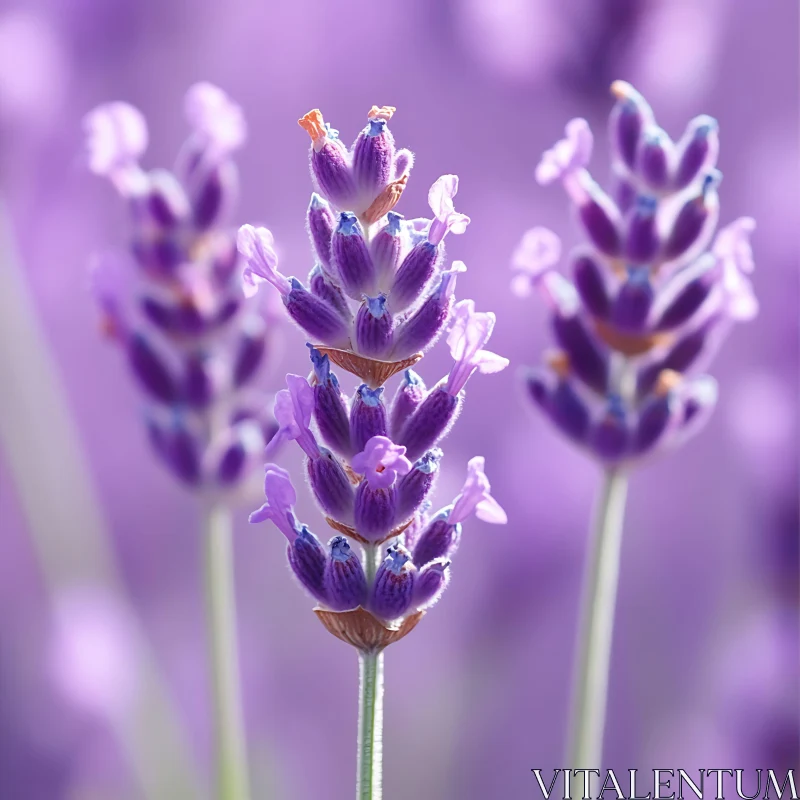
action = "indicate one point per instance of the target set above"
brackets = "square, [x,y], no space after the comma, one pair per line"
[313,124]
[384,112]
[668,379]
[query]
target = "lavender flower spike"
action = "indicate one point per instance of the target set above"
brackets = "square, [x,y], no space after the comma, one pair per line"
[446,218]
[648,306]
[380,293]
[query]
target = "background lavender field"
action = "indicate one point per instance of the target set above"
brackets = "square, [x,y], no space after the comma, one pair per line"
[705,663]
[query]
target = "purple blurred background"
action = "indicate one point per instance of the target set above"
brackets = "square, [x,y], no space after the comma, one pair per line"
[706,649]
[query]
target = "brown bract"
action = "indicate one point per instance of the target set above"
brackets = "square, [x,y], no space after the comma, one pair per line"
[372,371]
[364,631]
[385,201]
[353,534]
[630,344]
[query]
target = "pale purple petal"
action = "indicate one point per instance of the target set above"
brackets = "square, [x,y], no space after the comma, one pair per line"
[446,218]
[292,410]
[215,117]
[116,138]
[256,245]
[470,331]
[281,499]
[537,253]
[567,155]
[380,462]
[475,497]
[732,247]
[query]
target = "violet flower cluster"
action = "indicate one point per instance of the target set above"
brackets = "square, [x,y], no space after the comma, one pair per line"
[377,296]
[648,302]
[174,302]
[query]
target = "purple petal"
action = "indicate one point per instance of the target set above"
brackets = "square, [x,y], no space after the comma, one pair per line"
[475,498]
[215,117]
[567,155]
[256,245]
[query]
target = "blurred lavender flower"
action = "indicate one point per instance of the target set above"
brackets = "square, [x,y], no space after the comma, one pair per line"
[175,302]
[377,298]
[649,300]
[647,305]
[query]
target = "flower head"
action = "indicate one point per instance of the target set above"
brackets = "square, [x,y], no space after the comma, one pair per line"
[475,498]
[446,218]
[281,500]
[470,331]
[256,245]
[381,461]
[567,155]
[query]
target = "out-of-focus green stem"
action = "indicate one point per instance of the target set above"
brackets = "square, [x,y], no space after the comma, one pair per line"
[369,785]
[593,657]
[231,747]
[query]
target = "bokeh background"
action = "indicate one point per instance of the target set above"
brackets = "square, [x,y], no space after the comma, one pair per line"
[705,668]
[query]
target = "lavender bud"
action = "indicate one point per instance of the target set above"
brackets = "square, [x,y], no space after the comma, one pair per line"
[163,316]
[180,451]
[367,417]
[702,278]
[225,261]
[345,582]
[315,317]
[642,241]
[699,150]
[439,540]
[600,218]
[165,205]
[308,560]
[568,411]
[633,301]
[213,194]
[431,581]
[587,360]
[331,486]
[410,393]
[653,158]
[160,256]
[375,511]
[351,258]
[227,311]
[321,223]
[385,248]
[609,438]
[250,350]
[692,220]
[152,373]
[374,327]
[421,329]
[332,172]
[684,353]
[373,157]
[394,584]
[198,384]
[655,418]
[232,463]
[625,192]
[591,285]
[413,275]
[628,118]
[330,411]
[325,289]
[429,423]
[415,486]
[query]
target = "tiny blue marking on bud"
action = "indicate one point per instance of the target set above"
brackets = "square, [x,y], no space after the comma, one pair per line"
[348,224]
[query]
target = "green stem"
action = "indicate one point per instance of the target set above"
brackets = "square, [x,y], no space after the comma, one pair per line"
[231,749]
[590,689]
[370,727]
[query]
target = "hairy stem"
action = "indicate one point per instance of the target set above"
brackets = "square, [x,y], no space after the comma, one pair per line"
[370,727]
[593,659]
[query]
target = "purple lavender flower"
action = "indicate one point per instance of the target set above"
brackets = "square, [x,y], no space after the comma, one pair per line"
[379,296]
[651,296]
[175,303]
